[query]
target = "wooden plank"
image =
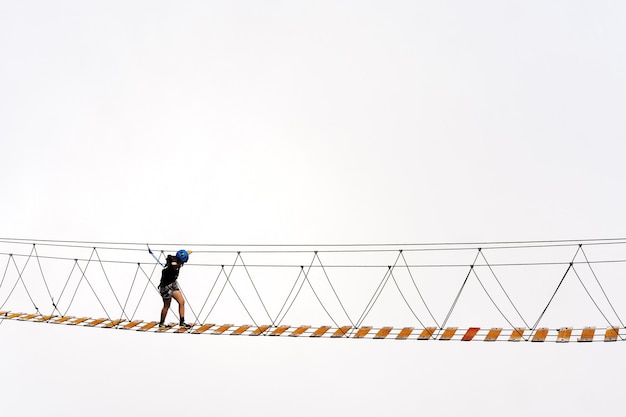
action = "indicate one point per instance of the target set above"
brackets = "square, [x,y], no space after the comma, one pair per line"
[112,323]
[222,328]
[587,334]
[29,316]
[517,334]
[96,322]
[470,333]
[79,320]
[13,315]
[280,330]
[611,334]
[203,328]
[427,333]
[342,331]
[45,318]
[320,331]
[184,329]
[404,333]
[166,328]
[299,331]
[132,324]
[564,335]
[63,319]
[147,326]
[362,332]
[540,334]
[382,333]
[448,333]
[493,334]
[241,329]
[260,330]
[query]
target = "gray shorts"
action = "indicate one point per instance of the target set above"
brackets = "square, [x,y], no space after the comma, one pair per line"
[166,292]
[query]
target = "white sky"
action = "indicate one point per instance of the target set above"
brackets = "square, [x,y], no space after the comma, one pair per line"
[308,122]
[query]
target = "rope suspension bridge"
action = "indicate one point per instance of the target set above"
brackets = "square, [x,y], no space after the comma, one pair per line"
[488,291]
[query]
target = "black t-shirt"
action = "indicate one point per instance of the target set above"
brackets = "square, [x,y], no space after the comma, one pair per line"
[170,272]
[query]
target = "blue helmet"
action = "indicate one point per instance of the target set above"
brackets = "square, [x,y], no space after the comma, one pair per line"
[182,255]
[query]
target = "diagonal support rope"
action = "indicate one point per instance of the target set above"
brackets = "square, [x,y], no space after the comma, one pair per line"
[417,289]
[64,287]
[405,300]
[234,290]
[211,290]
[458,295]
[20,279]
[503,290]
[84,276]
[571,264]
[44,279]
[333,288]
[492,300]
[109,282]
[300,274]
[601,287]
[255,289]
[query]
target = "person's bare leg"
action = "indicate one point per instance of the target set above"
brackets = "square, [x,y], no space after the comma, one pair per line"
[178,296]
[166,307]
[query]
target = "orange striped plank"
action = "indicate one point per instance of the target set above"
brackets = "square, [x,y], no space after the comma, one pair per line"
[96,322]
[470,333]
[280,330]
[241,329]
[132,324]
[382,333]
[29,316]
[517,334]
[427,333]
[611,334]
[147,326]
[165,328]
[222,328]
[63,319]
[564,335]
[405,333]
[13,315]
[79,320]
[112,323]
[203,328]
[587,334]
[320,331]
[493,334]
[342,331]
[448,333]
[540,335]
[362,332]
[45,318]
[260,330]
[184,329]
[299,331]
